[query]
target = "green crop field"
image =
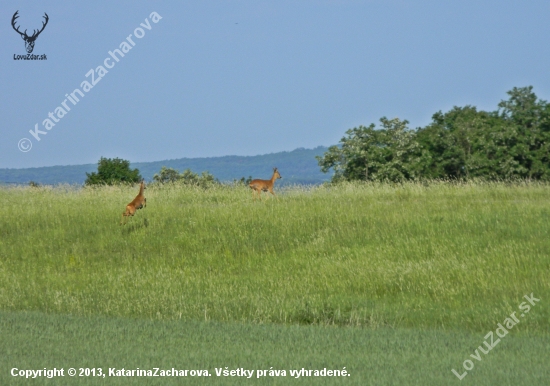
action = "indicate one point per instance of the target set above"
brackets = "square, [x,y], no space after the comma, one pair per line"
[397,283]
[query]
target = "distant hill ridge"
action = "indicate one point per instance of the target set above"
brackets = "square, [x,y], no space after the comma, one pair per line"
[298,166]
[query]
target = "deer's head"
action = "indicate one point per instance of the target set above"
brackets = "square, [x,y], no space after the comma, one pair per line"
[29,40]
[276,173]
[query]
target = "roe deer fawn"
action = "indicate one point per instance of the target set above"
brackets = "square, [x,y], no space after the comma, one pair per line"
[139,202]
[259,186]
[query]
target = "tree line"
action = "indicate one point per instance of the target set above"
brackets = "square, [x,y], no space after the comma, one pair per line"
[512,142]
[508,143]
[112,171]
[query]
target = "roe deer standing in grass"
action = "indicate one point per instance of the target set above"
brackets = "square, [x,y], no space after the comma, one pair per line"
[139,202]
[264,185]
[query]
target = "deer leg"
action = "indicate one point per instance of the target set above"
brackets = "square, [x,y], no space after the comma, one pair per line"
[257,192]
[129,212]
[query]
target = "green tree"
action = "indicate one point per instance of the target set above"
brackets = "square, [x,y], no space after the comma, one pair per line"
[188,177]
[529,118]
[112,171]
[243,181]
[457,143]
[204,180]
[167,175]
[512,142]
[390,153]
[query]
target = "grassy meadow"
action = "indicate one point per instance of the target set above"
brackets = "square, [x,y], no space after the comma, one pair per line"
[446,261]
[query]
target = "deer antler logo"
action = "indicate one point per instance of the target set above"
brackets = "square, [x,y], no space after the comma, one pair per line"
[29,40]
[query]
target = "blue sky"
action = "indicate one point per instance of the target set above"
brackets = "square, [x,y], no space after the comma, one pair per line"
[215,78]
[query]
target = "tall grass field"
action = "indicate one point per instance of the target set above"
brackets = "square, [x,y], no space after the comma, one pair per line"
[397,283]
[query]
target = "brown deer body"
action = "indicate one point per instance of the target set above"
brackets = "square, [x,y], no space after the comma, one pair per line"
[259,186]
[139,202]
